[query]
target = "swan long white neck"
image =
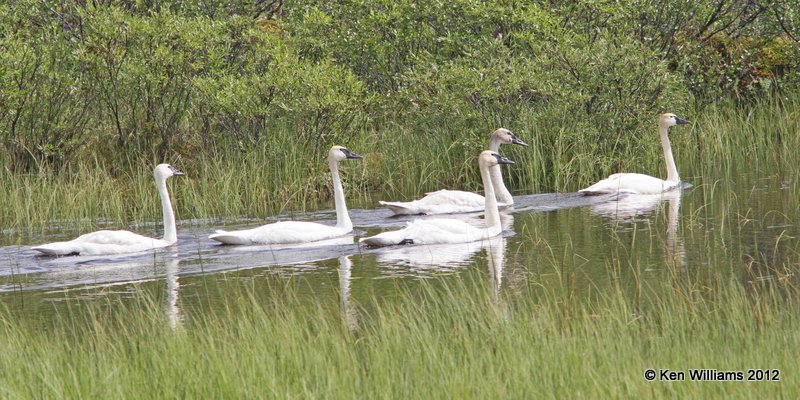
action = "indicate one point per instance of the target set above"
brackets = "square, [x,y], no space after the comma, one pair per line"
[170,232]
[491,214]
[494,144]
[342,216]
[672,170]
[501,192]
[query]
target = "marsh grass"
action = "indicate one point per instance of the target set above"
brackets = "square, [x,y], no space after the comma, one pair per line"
[432,339]
[281,175]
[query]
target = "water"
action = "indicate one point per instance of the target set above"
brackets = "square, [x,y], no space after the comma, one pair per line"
[743,229]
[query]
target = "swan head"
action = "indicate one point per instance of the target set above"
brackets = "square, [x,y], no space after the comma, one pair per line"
[505,136]
[164,171]
[339,153]
[669,119]
[489,158]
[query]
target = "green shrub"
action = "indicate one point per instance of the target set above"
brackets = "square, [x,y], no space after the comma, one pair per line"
[123,84]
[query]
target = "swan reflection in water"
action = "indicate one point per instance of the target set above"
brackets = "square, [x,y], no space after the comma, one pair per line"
[496,260]
[258,256]
[96,277]
[349,313]
[423,261]
[174,314]
[629,207]
[426,260]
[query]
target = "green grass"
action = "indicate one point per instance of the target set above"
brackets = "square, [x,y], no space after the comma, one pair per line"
[282,175]
[569,321]
[440,338]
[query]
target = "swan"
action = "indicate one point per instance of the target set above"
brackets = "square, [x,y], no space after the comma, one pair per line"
[291,232]
[640,183]
[107,242]
[446,201]
[448,230]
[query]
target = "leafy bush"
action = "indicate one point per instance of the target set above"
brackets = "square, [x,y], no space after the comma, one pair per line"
[143,82]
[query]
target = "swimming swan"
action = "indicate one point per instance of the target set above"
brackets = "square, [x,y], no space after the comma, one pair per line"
[436,231]
[640,183]
[119,242]
[289,232]
[457,201]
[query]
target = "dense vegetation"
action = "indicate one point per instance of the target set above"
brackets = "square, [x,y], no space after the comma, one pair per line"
[246,97]
[118,86]
[439,338]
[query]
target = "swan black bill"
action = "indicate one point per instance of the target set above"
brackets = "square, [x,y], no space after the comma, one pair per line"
[681,121]
[176,172]
[516,140]
[350,154]
[502,160]
[406,241]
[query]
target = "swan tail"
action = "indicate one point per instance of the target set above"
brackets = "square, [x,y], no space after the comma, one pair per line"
[400,208]
[56,249]
[225,237]
[601,187]
[377,241]
[389,238]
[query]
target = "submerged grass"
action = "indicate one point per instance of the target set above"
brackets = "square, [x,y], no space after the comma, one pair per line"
[449,338]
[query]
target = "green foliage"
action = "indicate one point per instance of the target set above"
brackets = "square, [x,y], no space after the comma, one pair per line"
[263,337]
[125,85]
[46,97]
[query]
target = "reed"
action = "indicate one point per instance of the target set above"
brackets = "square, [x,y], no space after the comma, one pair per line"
[434,338]
[282,175]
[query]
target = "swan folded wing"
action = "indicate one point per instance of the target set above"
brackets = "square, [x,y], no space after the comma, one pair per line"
[103,242]
[286,232]
[630,183]
[439,202]
[428,232]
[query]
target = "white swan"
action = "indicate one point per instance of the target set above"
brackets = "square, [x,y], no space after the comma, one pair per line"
[119,242]
[640,183]
[290,232]
[436,231]
[457,201]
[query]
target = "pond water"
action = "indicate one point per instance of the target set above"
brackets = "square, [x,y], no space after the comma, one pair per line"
[741,227]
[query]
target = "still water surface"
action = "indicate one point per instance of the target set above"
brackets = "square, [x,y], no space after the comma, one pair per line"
[742,228]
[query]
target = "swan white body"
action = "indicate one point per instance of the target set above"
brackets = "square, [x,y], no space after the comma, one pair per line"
[640,183]
[439,231]
[458,201]
[290,232]
[108,242]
